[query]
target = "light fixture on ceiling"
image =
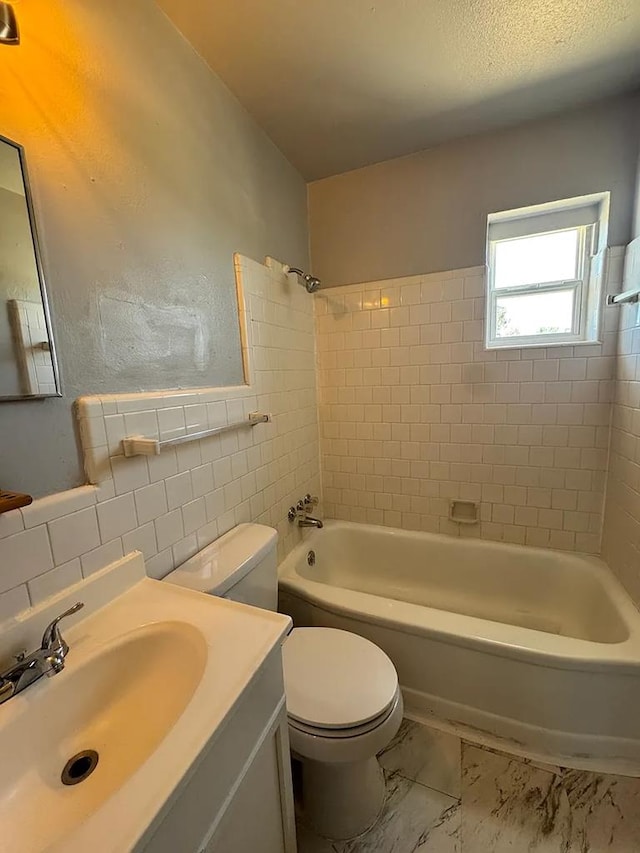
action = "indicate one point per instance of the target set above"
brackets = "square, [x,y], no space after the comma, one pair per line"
[9,33]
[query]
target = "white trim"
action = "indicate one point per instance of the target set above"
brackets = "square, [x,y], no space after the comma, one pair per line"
[529,224]
[555,209]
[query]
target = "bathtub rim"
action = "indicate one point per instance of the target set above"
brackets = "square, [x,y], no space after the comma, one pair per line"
[501,639]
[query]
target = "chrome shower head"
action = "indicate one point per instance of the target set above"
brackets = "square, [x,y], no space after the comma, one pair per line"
[311,283]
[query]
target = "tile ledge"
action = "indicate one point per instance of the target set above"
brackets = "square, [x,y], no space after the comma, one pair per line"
[58,504]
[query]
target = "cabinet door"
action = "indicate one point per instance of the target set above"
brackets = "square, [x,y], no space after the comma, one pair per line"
[259,818]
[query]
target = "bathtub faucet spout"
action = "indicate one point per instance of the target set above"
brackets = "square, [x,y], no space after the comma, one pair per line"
[309,521]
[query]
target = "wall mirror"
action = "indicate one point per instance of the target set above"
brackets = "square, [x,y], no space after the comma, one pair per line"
[28,368]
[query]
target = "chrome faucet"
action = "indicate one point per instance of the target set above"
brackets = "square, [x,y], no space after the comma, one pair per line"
[300,513]
[47,660]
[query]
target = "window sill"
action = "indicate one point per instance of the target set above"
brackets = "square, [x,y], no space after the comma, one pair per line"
[547,345]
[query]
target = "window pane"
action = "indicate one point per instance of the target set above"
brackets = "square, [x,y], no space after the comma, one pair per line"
[535,314]
[537,259]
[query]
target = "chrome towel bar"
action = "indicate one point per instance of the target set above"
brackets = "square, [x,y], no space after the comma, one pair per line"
[621,298]
[138,445]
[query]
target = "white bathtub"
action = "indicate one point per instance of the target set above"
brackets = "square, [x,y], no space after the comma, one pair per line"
[533,650]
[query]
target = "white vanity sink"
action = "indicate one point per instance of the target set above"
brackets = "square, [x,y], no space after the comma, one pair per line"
[149,681]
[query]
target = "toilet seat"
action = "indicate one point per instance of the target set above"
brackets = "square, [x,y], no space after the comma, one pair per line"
[337,683]
[353,732]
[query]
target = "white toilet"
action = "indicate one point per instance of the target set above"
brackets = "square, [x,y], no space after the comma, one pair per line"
[343,699]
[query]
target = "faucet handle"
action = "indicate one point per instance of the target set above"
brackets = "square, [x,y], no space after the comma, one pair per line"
[311,501]
[51,638]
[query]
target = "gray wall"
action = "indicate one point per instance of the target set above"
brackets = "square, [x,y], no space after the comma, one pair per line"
[427,212]
[147,175]
[636,217]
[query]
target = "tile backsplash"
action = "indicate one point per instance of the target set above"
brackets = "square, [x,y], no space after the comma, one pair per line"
[414,412]
[169,506]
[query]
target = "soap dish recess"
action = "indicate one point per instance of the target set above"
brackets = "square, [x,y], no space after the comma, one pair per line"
[464,512]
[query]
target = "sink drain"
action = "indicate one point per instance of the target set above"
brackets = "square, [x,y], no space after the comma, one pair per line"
[79,767]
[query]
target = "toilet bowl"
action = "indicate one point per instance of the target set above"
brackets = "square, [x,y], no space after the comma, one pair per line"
[344,705]
[343,700]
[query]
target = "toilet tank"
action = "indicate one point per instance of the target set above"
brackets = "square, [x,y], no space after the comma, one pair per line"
[241,565]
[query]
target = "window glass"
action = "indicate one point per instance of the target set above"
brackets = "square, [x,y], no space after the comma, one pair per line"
[538,259]
[543,313]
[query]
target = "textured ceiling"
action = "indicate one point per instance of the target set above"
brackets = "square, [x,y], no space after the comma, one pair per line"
[338,84]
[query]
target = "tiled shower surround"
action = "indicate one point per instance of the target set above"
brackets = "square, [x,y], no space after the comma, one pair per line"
[414,412]
[621,540]
[171,505]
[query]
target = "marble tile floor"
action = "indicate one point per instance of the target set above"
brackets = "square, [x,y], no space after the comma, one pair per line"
[448,796]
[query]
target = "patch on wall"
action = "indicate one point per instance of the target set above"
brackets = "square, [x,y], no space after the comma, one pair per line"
[134,332]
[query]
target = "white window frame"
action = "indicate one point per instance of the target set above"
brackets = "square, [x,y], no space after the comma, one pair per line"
[526,222]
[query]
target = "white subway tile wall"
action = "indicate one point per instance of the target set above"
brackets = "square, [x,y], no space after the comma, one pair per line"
[414,413]
[621,536]
[171,505]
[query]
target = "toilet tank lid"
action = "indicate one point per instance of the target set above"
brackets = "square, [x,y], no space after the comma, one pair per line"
[227,560]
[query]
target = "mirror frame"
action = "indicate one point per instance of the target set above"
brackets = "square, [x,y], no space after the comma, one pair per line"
[41,278]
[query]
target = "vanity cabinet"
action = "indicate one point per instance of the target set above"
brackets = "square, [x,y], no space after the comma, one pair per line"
[238,796]
[255,819]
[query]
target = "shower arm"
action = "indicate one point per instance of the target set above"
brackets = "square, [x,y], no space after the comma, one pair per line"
[311,283]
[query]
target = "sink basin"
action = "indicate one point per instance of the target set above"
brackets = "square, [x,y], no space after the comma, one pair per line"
[153,673]
[120,702]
